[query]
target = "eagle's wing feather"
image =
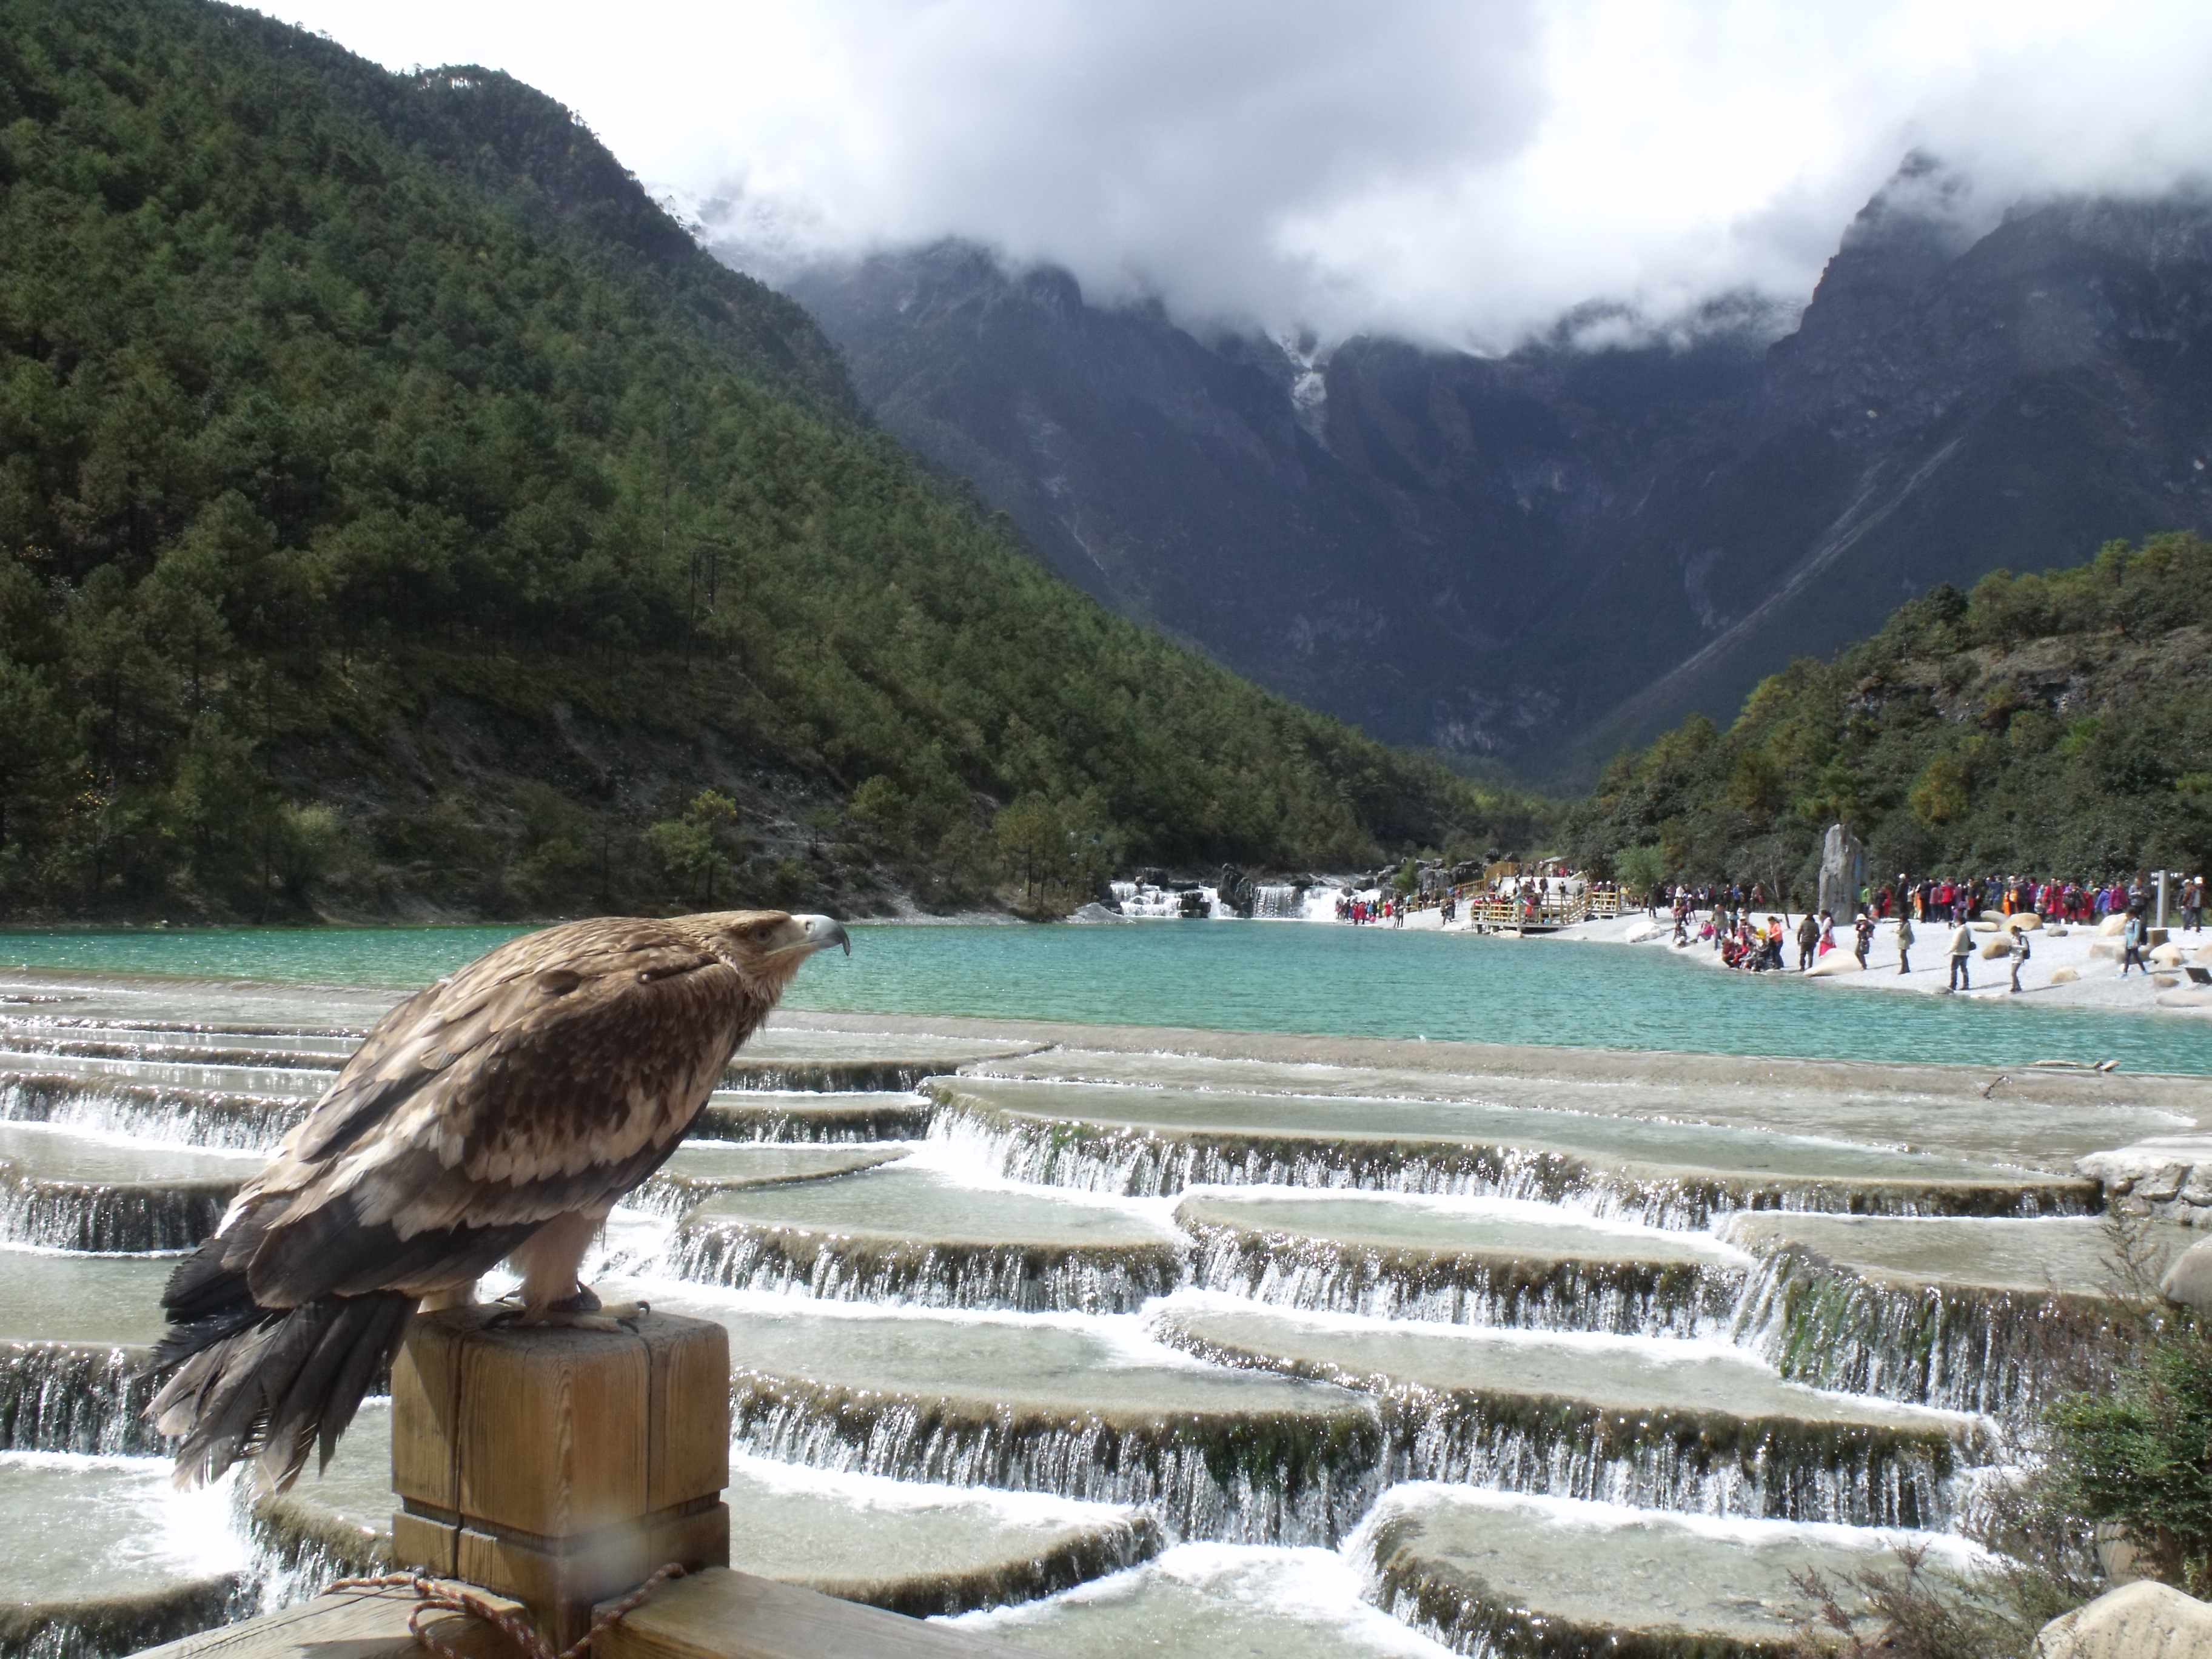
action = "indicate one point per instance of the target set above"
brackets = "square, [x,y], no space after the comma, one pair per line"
[518,1090]
[430,1031]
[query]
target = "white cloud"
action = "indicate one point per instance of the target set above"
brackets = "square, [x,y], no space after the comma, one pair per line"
[1458,170]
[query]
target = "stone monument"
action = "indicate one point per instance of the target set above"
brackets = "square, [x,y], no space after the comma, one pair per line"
[1843,873]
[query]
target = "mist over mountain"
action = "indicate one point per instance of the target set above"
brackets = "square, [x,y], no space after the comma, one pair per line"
[1541,556]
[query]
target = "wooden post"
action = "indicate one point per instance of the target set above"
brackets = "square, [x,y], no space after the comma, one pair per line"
[560,1467]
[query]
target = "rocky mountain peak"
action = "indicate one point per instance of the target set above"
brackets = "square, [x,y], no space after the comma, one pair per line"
[1537,557]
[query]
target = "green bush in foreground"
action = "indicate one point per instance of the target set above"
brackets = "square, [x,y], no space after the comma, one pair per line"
[2123,1456]
[2140,1455]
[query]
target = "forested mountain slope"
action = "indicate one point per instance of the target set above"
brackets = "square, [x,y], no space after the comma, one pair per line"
[1542,556]
[402,516]
[2058,725]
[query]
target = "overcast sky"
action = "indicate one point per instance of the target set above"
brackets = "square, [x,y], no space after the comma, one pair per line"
[1461,170]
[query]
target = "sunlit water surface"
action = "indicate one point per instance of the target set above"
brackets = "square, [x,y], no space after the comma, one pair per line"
[1261,977]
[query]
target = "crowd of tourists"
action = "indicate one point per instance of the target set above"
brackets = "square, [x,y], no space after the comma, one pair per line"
[1362,913]
[1955,900]
[1728,919]
[1736,923]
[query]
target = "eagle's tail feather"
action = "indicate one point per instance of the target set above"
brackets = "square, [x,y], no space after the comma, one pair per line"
[267,1384]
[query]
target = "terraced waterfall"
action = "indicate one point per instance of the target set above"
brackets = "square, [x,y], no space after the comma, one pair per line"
[1096,1337]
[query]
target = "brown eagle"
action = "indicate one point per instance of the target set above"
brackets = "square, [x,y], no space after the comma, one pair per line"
[497,1115]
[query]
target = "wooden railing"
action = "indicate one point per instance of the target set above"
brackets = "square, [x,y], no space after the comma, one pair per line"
[1491,912]
[548,1475]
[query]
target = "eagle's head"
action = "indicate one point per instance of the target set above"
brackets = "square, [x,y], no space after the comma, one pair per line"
[766,946]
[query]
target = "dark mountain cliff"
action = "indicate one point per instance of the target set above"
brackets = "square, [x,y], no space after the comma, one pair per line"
[1542,556]
[1932,419]
[1168,476]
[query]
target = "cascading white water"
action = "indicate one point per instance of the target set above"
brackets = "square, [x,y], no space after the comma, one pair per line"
[1669,1300]
[1136,1164]
[1141,902]
[929,1276]
[1266,1474]
[1203,1482]
[74,1397]
[1999,1352]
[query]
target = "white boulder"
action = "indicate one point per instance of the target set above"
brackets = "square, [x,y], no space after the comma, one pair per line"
[2143,1620]
[1836,961]
[2166,1175]
[2189,1280]
[2153,1161]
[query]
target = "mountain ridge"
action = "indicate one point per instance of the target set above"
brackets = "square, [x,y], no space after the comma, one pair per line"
[1540,557]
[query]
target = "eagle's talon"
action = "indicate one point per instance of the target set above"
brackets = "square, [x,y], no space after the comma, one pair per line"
[583,1311]
[585,1322]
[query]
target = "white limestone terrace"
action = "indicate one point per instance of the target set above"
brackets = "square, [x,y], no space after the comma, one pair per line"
[1216,1599]
[914,1234]
[106,1544]
[2025,1118]
[1636,1357]
[1152,1141]
[150,1018]
[1490,1573]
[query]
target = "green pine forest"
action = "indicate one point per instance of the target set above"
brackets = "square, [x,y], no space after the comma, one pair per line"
[403,518]
[2058,725]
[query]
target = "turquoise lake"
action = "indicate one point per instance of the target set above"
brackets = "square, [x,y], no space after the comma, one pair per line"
[1262,977]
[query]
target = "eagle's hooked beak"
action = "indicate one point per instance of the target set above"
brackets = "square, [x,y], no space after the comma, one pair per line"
[820,933]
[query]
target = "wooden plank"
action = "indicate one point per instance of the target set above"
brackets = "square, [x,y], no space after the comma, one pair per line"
[422,1545]
[425,1382]
[552,1435]
[722,1614]
[349,1625]
[689,1419]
